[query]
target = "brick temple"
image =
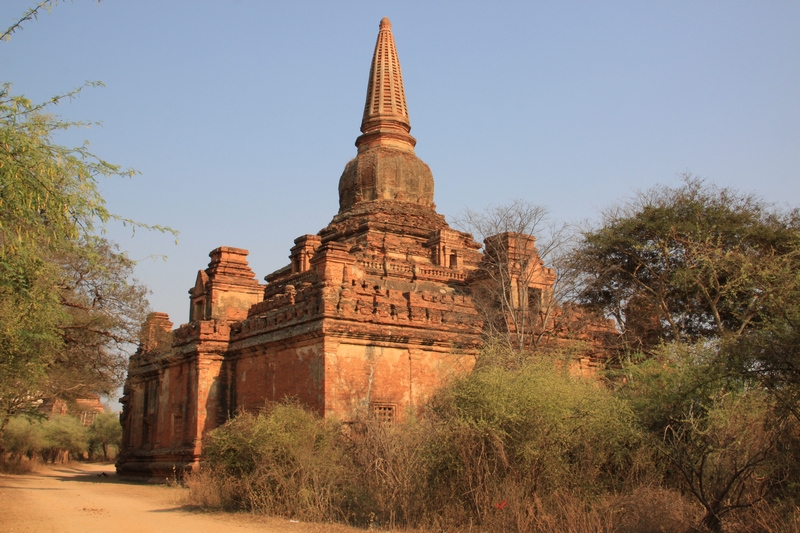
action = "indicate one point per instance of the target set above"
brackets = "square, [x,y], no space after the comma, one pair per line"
[371,314]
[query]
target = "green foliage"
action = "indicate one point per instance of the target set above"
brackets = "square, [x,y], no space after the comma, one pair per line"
[49,191]
[29,338]
[676,379]
[770,357]
[68,306]
[530,449]
[53,439]
[526,449]
[63,437]
[104,432]
[536,430]
[704,281]
[23,438]
[690,262]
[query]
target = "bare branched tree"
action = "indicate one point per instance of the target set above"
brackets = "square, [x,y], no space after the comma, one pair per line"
[524,274]
[727,457]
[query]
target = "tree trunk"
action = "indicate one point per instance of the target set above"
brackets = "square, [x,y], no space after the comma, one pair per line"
[712,521]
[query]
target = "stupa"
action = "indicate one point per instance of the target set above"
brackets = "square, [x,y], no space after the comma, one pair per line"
[371,314]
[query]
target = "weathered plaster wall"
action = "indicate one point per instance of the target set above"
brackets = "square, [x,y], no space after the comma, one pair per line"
[279,371]
[361,375]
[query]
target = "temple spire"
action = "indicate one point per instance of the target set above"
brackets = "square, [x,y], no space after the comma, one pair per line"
[386,169]
[385,121]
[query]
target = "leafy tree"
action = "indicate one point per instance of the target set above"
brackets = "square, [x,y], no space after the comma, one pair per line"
[690,262]
[770,357]
[723,441]
[104,432]
[67,302]
[63,436]
[673,380]
[105,308]
[23,437]
[29,338]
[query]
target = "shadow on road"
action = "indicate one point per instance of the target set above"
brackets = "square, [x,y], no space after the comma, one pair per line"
[95,477]
[88,473]
[180,509]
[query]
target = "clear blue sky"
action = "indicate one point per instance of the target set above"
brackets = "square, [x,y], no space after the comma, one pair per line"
[240,115]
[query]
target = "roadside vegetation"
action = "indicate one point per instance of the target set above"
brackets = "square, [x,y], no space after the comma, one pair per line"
[30,441]
[70,309]
[525,450]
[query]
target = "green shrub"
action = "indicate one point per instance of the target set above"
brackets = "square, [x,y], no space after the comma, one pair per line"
[55,439]
[504,438]
[63,437]
[284,461]
[105,433]
[23,438]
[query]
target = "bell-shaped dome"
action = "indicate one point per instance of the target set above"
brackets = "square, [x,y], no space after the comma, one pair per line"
[385,174]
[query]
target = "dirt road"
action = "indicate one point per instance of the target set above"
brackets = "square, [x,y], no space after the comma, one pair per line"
[78,498]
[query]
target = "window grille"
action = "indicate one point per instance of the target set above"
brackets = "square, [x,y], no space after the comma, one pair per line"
[384,413]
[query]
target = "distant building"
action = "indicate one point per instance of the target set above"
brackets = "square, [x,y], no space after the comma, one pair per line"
[84,409]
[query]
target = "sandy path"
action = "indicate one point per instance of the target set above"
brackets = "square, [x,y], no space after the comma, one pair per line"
[75,499]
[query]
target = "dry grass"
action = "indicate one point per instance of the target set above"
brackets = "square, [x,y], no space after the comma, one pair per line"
[764,518]
[18,466]
[651,509]
[475,468]
[205,489]
[647,509]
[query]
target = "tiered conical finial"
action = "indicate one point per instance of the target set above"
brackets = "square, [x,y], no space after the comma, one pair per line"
[385,121]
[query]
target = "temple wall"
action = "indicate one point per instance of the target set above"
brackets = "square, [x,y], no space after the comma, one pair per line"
[173,414]
[232,304]
[279,371]
[342,377]
[212,405]
[371,376]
